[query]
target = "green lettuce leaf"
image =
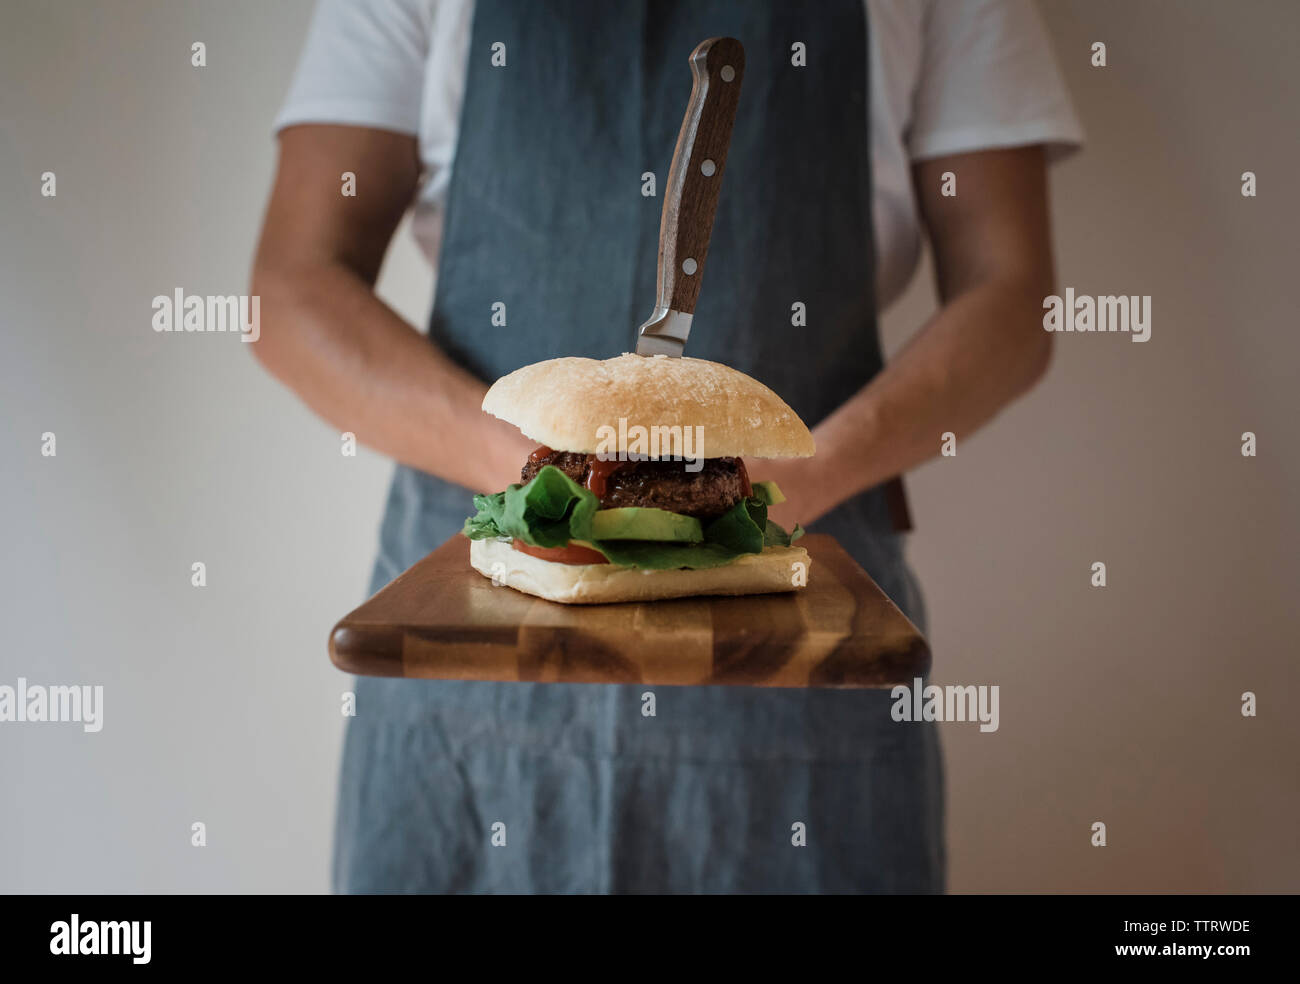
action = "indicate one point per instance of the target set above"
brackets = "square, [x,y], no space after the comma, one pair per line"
[740,528]
[552,510]
[651,555]
[774,535]
[549,511]
[483,526]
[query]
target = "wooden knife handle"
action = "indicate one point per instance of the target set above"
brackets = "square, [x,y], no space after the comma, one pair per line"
[691,197]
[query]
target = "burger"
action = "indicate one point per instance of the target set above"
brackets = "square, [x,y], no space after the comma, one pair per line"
[638,490]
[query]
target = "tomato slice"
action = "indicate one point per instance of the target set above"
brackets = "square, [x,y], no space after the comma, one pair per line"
[574,553]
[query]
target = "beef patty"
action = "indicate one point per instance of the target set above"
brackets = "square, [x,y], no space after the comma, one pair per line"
[704,494]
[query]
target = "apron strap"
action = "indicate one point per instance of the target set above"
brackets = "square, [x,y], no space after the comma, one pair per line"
[896,495]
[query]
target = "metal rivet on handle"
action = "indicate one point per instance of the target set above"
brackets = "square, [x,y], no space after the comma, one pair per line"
[688,266]
[707,168]
[728,73]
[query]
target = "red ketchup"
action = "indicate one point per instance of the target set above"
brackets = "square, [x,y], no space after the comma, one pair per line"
[745,488]
[539,454]
[598,472]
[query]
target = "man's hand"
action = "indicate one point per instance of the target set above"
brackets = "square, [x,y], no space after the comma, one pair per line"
[801,481]
[330,339]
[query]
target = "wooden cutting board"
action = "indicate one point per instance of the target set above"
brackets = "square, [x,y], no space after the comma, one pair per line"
[442,619]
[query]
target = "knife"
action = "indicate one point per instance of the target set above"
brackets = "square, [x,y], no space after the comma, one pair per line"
[691,196]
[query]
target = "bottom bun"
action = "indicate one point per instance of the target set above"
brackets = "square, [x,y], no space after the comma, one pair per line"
[592,584]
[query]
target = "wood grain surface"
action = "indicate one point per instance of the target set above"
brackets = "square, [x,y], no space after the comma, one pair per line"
[442,619]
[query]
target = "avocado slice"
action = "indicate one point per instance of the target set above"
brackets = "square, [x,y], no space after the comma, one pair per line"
[645,523]
[768,493]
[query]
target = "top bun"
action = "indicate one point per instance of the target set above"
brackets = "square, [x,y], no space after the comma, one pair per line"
[575,404]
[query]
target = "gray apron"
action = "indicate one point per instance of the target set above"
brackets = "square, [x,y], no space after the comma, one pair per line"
[545,214]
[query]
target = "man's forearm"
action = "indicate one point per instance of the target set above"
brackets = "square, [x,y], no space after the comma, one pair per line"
[358,365]
[977,354]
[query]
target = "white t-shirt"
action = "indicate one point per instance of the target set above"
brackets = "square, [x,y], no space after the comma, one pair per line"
[947,76]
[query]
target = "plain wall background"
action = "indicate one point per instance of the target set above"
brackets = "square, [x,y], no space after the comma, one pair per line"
[1118,704]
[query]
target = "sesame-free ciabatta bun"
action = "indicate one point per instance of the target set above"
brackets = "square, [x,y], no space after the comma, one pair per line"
[768,572]
[564,403]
